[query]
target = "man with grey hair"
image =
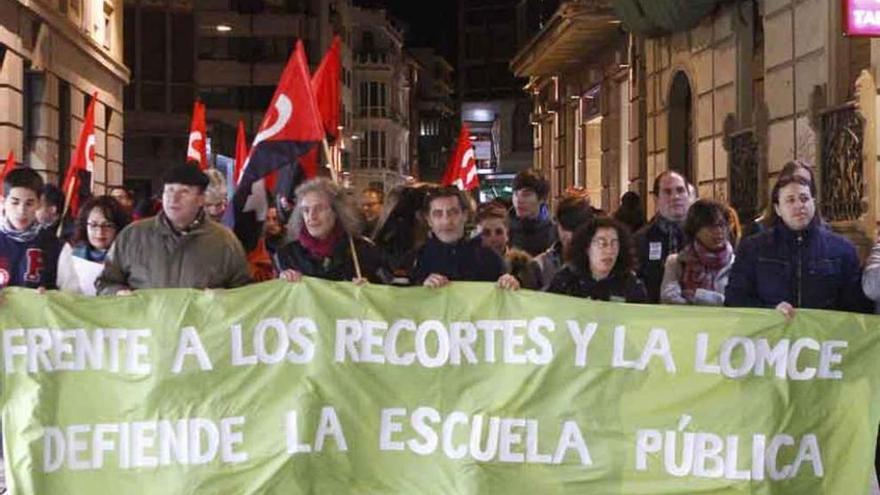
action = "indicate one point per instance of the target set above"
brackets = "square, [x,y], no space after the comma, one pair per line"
[325,227]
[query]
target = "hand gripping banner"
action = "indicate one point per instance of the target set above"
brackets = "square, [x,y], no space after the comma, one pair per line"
[322,387]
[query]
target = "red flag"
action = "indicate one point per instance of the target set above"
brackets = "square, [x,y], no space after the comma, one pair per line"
[290,128]
[325,85]
[82,161]
[461,170]
[241,152]
[195,149]
[10,164]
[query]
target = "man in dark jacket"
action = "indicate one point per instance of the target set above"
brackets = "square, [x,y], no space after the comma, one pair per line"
[798,263]
[447,255]
[530,226]
[663,235]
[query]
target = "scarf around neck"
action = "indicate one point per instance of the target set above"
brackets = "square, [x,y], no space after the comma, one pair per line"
[320,248]
[701,266]
[22,236]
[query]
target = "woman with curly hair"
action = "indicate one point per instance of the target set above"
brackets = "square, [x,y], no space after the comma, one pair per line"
[698,273]
[81,260]
[325,227]
[600,264]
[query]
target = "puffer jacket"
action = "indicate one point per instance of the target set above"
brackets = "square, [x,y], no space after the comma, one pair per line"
[812,268]
[151,254]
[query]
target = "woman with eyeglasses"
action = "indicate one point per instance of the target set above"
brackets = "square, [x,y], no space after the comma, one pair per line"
[698,273]
[82,260]
[600,264]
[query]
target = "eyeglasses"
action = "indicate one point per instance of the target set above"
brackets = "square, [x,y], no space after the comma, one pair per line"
[100,226]
[605,243]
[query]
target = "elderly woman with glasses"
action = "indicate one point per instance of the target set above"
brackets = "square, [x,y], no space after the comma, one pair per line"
[600,264]
[82,260]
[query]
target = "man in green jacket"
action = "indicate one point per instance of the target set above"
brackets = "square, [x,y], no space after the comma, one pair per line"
[179,247]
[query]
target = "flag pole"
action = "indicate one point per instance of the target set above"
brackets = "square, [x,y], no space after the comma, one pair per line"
[66,207]
[354,256]
[329,159]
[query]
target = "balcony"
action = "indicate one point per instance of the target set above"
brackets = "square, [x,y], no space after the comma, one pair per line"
[379,60]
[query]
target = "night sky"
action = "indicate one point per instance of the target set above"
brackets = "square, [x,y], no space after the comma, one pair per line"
[431,23]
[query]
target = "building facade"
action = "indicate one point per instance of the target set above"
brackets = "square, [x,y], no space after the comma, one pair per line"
[228,53]
[726,93]
[385,80]
[436,113]
[492,102]
[53,57]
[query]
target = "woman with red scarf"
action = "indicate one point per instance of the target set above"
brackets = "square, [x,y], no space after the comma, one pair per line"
[325,226]
[698,273]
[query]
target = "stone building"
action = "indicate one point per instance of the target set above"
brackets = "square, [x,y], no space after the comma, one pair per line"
[385,79]
[725,92]
[53,56]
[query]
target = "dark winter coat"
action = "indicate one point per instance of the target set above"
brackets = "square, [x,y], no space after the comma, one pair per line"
[465,260]
[576,282]
[339,266]
[533,236]
[654,242]
[812,268]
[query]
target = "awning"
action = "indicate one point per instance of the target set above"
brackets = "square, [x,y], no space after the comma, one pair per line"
[576,31]
[659,17]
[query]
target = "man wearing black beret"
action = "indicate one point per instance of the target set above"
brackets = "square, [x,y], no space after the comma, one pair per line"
[179,247]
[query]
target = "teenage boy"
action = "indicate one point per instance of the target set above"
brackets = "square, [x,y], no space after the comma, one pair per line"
[28,252]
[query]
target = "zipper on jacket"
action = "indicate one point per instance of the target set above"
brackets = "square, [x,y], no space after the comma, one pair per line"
[800,267]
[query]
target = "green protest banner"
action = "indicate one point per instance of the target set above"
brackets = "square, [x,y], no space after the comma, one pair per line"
[321,387]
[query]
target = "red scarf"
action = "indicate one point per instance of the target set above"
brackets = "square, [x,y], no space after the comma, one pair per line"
[320,248]
[701,266]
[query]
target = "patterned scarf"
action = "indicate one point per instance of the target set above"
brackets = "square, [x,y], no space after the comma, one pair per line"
[701,266]
[22,236]
[320,248]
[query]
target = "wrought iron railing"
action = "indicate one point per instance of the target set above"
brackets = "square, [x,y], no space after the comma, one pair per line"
[744,193]
[841,171]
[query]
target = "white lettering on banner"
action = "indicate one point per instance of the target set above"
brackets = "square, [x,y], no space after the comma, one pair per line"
[143,444]
[510,440]
[274,341]
[582,339]
[656,346]
[709,455]
[190,345]
[45,350]
[328,426]
[739,357]
[436,344]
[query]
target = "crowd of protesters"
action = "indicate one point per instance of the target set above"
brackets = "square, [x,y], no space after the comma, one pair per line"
[691,252]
